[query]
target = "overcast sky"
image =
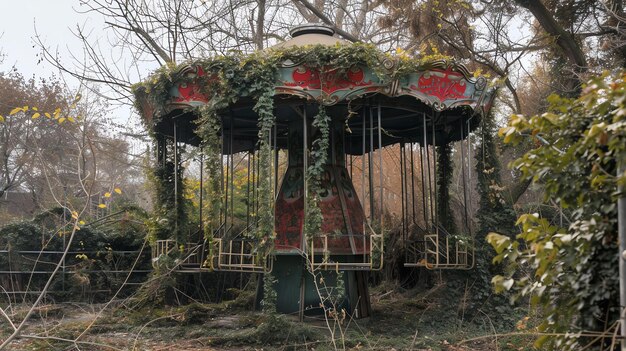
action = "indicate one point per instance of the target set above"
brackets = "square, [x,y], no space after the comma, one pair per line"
[53,20]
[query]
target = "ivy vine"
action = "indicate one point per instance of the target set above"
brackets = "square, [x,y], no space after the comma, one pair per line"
[319,156]
[573,275]
[227,79]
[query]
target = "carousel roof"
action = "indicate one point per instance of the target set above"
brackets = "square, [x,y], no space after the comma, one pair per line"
[313,68]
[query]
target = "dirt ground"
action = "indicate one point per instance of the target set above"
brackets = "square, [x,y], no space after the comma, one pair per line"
[400,321]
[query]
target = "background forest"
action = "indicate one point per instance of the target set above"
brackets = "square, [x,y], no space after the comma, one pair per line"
[75,180]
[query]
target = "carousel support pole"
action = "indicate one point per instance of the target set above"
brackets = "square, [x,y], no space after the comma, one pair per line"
[431,216]
[423,180]
[412,185]
[380,166]
[201,197]
[248,192]
[469,172]
[305,168]
[252,204]
[382,218]
[406,190]
[436,208]
[232,175]
[222,180]
[370,165]
[463,137]
[305,161]
[176,179]
[402,191]
[275,197]
[621,225]
[363,143]
[202,238]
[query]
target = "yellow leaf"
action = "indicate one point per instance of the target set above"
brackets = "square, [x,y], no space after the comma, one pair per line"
[81,222]
[102,206]
[118,190]
[74,214]
[35,109]
[57,112]
[25,108]
[71,119]
[107,194]
[61,120]
[15,110]
[1,119]
[36,115]
[47,114]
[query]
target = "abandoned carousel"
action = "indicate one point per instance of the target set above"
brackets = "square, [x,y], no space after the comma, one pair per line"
[289,146]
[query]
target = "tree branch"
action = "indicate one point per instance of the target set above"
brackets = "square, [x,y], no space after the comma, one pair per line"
[147,38]
[563,39]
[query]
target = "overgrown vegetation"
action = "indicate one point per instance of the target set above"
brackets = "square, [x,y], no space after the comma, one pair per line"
[573,276]
[227,79]
[101,250]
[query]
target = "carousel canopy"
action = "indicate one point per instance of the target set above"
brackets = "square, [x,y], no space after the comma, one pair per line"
[426,100]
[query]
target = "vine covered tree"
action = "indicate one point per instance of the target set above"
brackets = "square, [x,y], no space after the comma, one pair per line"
[574,278]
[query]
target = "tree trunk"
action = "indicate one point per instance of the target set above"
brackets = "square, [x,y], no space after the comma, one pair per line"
[565,40]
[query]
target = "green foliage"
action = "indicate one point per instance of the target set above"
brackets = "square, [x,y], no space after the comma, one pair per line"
[94,250]
[210,126]
[315,171]
[574,276]
[269,293]
[265,109]
[225,81]
[170,216]
[493,212]
[228,78]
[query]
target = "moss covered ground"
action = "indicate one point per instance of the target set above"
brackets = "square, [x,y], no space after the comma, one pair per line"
[415,319]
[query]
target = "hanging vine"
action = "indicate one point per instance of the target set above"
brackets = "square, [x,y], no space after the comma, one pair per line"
[494,214]
[265,109]
[210,128]
[170,217]
[226,79]
[315,171]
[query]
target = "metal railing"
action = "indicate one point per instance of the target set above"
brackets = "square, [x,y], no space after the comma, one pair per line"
[237,255]
[371,259]
[162,248]
[441,253]
[41,263]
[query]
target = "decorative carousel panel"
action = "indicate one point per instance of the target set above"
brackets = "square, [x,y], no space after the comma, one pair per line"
[444,88]
[188,92]
[327,86]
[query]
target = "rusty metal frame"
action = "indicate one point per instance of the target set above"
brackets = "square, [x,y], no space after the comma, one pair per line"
[438,250]
[242,259]
[370,263]
[439,255]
